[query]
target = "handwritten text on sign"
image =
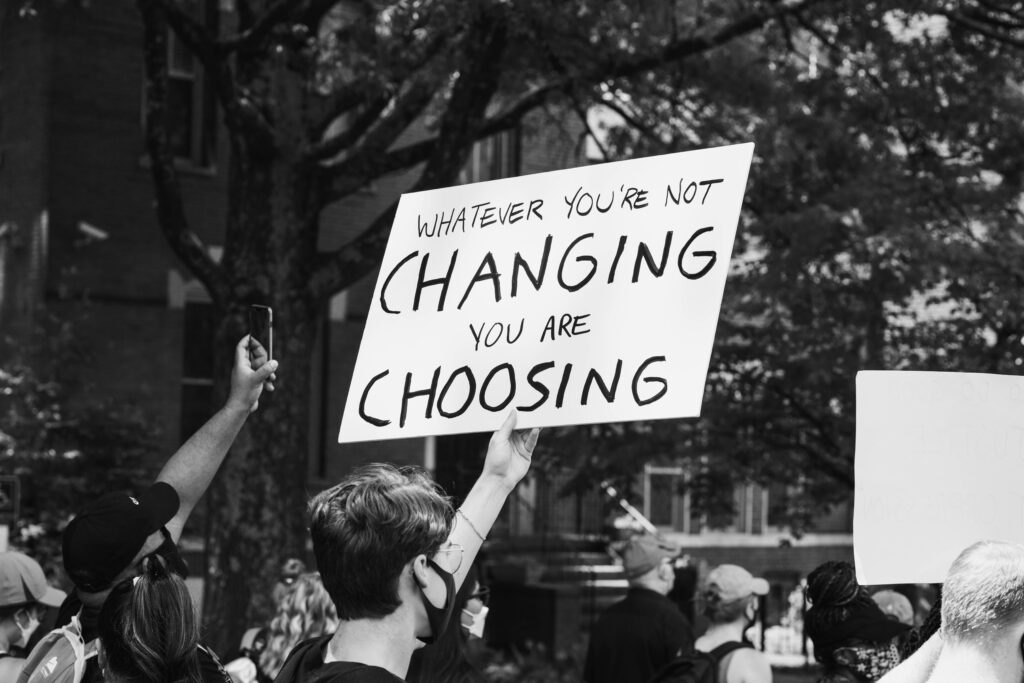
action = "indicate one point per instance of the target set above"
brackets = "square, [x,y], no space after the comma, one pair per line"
[579,296]
[939,461]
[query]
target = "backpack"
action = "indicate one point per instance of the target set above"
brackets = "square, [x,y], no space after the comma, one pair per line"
[696,666]
[60,656]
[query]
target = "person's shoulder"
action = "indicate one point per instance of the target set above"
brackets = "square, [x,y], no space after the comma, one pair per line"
[10,667]
[749,666]
[351,672]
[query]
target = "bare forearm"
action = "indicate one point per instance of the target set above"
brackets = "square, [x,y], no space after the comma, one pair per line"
[481,508]
[191,469]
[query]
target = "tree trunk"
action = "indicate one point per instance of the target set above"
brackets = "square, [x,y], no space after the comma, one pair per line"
[257,505]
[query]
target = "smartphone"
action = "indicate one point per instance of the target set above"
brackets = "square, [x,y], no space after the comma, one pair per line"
[261,328]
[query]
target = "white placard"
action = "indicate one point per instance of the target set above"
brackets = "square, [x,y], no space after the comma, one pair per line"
[939,465]
[580,296]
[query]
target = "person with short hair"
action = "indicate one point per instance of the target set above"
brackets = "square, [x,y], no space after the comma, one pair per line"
[643,632]
[982,633]
[392,554]
[108,538]
[730,600]
[24,596]
[853,639]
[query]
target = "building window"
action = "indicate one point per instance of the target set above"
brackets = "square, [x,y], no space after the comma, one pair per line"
[197,367]
[191,110]
[493,158]
[664,504]
[668,504]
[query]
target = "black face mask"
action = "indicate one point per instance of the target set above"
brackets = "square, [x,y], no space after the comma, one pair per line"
[439,617]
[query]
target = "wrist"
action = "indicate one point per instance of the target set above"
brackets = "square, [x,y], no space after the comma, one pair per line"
[496,484]
[236,408]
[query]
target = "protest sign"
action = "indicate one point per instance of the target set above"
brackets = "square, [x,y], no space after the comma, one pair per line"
[579,296]
[938,465]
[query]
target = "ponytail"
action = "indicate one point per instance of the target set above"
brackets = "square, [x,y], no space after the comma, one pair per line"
[149,629]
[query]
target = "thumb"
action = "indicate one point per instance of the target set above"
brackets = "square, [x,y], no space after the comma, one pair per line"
[265,371]
[508,426]
[242,350]
[530,439]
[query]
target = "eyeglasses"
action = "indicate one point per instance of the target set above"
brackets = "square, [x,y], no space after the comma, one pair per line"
[450,557]
[481,594]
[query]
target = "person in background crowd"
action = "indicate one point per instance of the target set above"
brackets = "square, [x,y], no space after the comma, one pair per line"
[895,605]
[304,611]
[641,633]
[730,603]
[291,570]
[24,596]
[108,538]
[446,660]
[853,639]
[392,554]
[149,632]
[923,633]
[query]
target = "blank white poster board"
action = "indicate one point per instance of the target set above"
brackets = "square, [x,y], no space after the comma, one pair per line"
[939,465]
[579,296]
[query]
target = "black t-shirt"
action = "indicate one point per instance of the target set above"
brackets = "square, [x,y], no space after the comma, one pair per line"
[635,637]
[306,665]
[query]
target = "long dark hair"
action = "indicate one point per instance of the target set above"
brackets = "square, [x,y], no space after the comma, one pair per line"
[835,596]
[148,628]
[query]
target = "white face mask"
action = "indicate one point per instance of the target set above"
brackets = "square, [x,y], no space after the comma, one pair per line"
[476,621]
[26,631]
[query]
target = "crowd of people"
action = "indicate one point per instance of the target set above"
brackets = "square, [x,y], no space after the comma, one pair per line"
[398,595]
[395,560]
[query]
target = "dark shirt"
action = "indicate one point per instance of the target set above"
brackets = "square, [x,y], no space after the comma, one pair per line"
[635,637]
[306,665]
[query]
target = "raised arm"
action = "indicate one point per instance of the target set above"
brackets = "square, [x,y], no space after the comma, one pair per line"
[191,469]
[509,455]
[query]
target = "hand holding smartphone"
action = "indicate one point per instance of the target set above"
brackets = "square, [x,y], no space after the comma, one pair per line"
[261,329]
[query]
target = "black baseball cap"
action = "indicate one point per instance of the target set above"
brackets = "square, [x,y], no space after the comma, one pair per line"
[105,536]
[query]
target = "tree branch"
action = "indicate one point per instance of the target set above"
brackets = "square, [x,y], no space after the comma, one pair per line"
[325,149]
[460,126]
[240,112]
[405,108]
[632,120]
[581,113]
[260,29]
[983,29]
[343,182]
[687,47]
[355,259]
[170,208]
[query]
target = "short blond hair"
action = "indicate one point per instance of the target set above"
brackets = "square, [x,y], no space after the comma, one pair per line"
[984,591]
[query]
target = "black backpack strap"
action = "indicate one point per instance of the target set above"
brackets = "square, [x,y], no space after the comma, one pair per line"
[725,649]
